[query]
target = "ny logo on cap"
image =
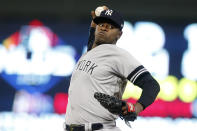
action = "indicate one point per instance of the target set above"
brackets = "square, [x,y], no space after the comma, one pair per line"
[109,12]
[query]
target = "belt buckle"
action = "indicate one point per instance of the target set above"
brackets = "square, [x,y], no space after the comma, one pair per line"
[72,127]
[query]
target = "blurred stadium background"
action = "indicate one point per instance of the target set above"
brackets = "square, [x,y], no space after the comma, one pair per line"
[40,42]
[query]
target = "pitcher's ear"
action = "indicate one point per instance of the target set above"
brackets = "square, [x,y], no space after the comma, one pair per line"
[120,34]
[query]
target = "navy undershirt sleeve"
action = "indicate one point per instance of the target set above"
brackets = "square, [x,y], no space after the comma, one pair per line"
[91,38]
[150,89]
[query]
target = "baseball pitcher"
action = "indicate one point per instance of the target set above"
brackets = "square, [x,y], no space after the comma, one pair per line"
[99,78]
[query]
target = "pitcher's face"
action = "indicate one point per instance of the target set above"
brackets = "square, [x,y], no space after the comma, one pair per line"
[106,33]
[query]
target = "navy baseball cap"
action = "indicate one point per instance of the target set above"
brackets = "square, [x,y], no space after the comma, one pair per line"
[110,16]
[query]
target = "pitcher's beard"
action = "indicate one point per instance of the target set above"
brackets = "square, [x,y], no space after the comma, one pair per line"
[102,41]
[99,42]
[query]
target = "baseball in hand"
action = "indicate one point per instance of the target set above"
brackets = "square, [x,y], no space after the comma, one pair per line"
[99,10]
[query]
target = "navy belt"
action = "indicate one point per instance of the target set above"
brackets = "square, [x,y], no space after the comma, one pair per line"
[73,127]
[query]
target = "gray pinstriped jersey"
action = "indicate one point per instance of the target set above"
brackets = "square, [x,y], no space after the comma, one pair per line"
[104,69]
